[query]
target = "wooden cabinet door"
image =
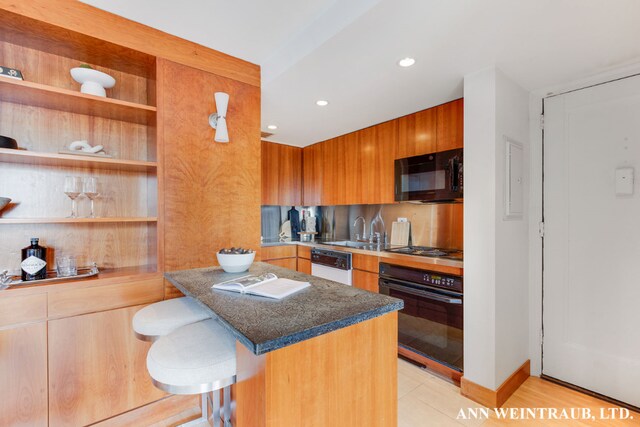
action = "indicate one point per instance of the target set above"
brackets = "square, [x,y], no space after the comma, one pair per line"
[353,169]
[312,170]
[281,174]
[386,143]
[304,266]
[290,263]
[334,184]
[23,376]
[97,368]
[417,133]
[450,125]
[365,280]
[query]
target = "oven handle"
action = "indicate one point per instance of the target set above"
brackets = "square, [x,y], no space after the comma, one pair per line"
[420,293]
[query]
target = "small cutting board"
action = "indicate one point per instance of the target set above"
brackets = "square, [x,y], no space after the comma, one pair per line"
[400,233]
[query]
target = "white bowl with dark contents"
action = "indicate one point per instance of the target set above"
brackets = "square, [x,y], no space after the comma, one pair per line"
[235,260]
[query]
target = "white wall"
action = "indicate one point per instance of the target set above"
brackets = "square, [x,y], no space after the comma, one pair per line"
[496,250]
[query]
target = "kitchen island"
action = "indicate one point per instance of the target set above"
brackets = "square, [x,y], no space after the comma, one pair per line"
[326,355]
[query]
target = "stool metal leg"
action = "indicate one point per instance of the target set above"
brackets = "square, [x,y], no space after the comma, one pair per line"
[226,412]
[215,412]
[204,414]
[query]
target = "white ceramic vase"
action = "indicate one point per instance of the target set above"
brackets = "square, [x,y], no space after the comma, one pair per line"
[93,82]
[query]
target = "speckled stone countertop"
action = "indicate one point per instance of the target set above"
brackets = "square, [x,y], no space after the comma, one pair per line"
[265,324]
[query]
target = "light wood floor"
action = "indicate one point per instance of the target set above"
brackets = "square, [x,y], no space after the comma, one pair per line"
[425,400]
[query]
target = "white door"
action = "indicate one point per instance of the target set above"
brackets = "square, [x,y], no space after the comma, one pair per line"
[591,273]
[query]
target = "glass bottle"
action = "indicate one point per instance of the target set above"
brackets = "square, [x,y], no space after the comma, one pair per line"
[34,261]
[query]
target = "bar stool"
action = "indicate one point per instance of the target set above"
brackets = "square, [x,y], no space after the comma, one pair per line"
[199,358]
[159,319]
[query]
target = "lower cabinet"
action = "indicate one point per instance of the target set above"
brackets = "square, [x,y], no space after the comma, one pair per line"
[365,280]
[97,368]
[23,375]
[304,266]
[289,263]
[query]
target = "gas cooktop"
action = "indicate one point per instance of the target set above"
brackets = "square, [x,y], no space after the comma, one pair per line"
[453,254]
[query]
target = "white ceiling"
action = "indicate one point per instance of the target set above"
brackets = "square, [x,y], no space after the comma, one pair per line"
[346,51]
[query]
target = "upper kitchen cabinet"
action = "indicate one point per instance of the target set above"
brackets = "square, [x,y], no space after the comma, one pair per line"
[334,176]
[450,125]
[377,145]
[312,171]
[281,174]
[417,133]
[435,129]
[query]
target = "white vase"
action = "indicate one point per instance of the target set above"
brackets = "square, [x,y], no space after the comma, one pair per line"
[93,82]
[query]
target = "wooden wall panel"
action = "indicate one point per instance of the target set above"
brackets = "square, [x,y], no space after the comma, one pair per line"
[97,368]
[450,125]
[211,190]
[23,375]
[312,175]
[281,174]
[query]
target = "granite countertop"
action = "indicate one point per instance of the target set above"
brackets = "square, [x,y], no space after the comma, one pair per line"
[265,324]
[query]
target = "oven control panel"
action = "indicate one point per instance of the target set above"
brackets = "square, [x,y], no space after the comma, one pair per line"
[441,280]
[421,277]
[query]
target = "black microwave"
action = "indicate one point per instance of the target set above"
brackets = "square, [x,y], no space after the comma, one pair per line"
[430,178]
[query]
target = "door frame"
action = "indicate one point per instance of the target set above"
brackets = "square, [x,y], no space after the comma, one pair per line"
[536,199]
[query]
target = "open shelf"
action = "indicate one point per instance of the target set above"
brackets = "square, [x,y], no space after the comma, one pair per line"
[39,95]
[60,160]
[76,220]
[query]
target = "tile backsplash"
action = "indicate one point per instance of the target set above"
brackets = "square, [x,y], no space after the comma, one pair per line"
[438,225]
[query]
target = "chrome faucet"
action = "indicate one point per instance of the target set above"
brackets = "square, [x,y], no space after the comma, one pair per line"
[362,237]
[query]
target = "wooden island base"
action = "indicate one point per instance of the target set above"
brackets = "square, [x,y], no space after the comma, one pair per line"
[346,377]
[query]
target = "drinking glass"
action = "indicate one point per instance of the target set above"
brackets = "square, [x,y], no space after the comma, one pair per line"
[90,189]
[66,266]
[73,188]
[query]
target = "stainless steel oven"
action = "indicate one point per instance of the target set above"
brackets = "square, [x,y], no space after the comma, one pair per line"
[430,324]
[436,177]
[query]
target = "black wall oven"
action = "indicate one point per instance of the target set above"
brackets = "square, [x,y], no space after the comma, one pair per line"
[436,177]
[430,324]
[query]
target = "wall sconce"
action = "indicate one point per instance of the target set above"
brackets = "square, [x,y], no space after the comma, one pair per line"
[218,120]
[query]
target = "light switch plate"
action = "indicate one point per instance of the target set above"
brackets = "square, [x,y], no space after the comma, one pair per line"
[624,181]
[401,219]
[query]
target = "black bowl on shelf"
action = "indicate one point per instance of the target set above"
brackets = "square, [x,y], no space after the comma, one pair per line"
[6,142]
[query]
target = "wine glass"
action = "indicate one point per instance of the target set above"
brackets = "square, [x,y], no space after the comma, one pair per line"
[90,189]
[73,188]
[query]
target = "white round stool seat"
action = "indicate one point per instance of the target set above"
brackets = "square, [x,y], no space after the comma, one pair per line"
[161,318]
[196,358]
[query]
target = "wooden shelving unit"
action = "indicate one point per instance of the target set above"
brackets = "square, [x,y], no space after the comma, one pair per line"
[8,155]
[40,95]
[44,113]
[76,220]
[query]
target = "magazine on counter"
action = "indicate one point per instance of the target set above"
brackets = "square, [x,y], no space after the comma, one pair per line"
[267,285]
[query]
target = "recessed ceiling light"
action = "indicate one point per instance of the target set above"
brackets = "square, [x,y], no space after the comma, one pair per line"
[322,103]
[272,127]
[406,62]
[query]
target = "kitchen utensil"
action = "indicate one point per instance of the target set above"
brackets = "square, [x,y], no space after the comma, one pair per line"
[6,142]
[307,236]
[235,263]
[400,233]
[4,201]
[285,231]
